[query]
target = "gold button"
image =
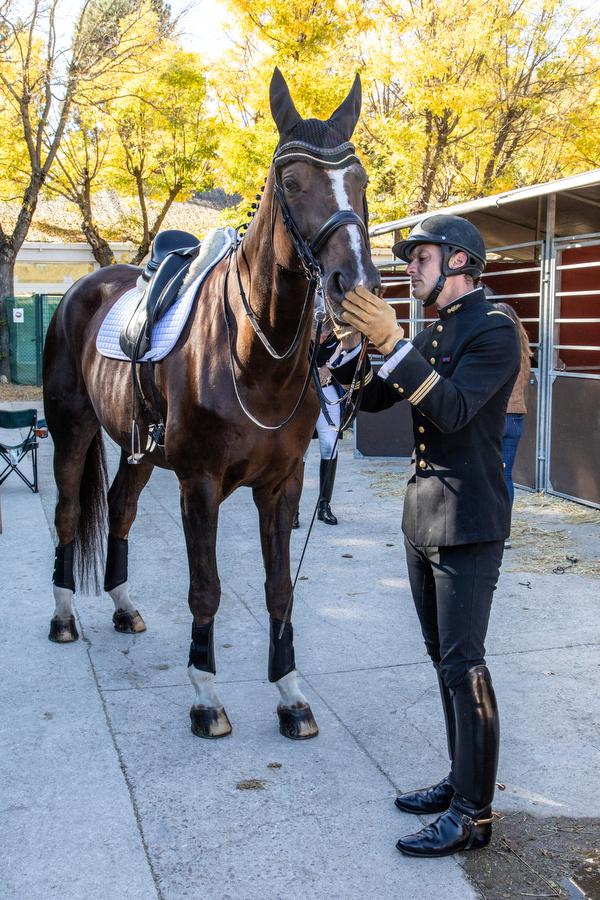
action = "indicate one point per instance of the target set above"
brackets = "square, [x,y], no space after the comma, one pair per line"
[400,390]
[396,386]
[421,430]
[439,327]
[434,343]
[422,464]
[432,360]
[422,448]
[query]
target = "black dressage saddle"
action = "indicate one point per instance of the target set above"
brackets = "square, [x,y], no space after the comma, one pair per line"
[170,259]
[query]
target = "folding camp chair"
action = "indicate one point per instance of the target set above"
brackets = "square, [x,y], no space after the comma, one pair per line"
[14,454]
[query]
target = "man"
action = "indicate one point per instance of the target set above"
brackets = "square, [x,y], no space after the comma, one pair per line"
[457,374]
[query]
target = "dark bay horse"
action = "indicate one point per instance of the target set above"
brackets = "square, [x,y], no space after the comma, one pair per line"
[221,395]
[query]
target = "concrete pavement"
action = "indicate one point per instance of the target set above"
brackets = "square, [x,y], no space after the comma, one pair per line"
[106,793]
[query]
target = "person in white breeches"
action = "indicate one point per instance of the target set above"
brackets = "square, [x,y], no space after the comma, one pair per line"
[327,435]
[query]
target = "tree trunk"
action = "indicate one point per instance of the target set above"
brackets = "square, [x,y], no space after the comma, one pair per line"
[151,232]
[100,247]
[7,266]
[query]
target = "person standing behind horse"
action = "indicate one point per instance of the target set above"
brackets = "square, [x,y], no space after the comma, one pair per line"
[326,430]
[457,375]
[517,407]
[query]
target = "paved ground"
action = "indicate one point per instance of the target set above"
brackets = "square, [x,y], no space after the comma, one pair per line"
[107,794]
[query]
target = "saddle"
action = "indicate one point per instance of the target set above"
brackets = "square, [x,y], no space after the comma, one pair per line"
[170,259]
[176,260]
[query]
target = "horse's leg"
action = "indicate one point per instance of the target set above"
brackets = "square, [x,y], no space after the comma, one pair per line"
[200,509]
[123,497]
[276,512]
[78,471]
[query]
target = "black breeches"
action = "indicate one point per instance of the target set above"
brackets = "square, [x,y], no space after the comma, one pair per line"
[452,589]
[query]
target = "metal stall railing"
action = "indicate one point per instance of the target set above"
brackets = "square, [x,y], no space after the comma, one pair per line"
[573,425]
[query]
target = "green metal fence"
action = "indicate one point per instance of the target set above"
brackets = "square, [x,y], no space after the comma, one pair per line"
[28,319]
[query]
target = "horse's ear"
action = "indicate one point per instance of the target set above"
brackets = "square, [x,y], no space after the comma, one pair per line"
[346,115]
[283,110]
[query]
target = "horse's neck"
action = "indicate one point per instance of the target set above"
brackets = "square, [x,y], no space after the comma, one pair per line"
[275,293]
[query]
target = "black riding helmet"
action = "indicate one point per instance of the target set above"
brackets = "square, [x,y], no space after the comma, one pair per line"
[451,233]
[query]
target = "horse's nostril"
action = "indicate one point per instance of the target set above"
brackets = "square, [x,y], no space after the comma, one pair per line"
[338,283]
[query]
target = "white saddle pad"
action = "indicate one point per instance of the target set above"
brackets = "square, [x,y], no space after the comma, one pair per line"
[165,332]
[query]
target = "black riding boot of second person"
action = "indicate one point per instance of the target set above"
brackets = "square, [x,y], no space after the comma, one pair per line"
[326,480]
[467,825]
[437,798]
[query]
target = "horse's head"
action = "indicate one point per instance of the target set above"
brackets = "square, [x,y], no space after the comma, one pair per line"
[320,184]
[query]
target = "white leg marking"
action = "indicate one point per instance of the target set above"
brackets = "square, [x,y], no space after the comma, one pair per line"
[291,695]
[341,195]
[63,600]
[120,597]
[204,685]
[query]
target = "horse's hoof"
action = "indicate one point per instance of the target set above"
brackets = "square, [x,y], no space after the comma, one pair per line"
[63,631]
[210,722]
[297,724]
[128,623]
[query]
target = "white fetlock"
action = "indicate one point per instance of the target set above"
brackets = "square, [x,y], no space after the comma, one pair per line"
[63,602]
[120,597]
[291,695]
[204,685]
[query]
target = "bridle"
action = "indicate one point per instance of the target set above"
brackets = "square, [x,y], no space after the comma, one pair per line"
[306,251]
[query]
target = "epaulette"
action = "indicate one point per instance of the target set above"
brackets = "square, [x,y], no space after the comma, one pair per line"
[498,312]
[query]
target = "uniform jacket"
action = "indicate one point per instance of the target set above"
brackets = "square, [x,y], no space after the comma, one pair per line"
[457,377]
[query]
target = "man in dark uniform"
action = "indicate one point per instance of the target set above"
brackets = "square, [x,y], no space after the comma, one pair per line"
[457,374]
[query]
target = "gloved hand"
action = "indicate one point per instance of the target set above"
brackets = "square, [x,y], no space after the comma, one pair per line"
[372,316]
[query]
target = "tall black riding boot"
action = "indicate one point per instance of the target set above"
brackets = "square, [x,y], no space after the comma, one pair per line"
[326,480]
[467,825]
[296,519]
[438,797]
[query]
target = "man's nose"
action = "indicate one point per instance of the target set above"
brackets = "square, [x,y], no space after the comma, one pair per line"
[410,269]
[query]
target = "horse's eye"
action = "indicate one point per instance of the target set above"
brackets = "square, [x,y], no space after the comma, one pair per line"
[291,185]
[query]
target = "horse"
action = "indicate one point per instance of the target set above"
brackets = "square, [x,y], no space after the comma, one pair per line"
[236,410]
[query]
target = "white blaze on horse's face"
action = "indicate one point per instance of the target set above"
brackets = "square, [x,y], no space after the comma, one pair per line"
[342,196]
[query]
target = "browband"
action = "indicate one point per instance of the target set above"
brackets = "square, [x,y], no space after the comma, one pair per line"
[300,151]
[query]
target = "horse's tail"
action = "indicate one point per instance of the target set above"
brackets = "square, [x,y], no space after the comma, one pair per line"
[90,538]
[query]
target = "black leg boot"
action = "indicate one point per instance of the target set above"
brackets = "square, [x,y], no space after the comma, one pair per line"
[438,797]
[326,480]
[296,519]
[467,825]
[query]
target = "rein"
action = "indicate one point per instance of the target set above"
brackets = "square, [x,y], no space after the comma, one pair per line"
[354,408]
[311,368]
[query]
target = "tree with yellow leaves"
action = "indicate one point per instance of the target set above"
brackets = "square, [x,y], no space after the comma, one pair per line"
[148,138]
[40,80]
[462,97]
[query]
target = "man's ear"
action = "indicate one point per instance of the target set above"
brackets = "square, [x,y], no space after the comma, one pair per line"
[458,259]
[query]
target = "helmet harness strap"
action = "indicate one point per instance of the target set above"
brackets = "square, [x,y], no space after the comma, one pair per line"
[446,272]
[467,269]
